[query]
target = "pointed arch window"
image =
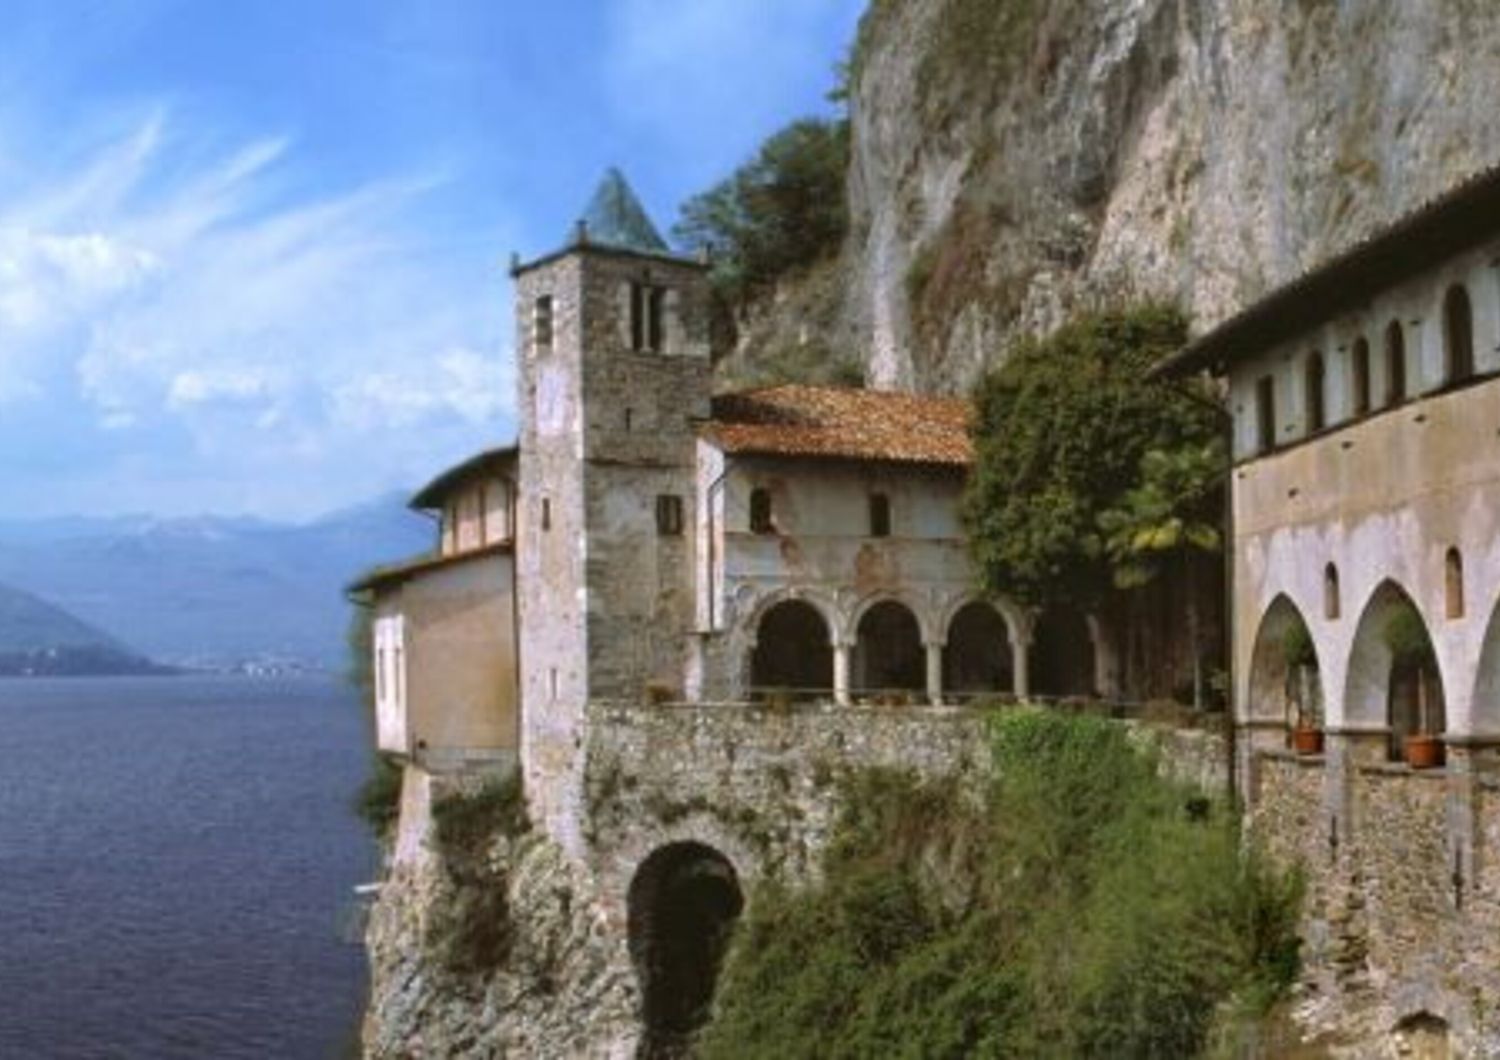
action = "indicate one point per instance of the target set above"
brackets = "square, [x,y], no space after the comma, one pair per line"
[1331,605]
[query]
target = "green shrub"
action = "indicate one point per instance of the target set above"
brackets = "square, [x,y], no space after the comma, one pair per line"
[378,801]
[1083,906]
[472,933]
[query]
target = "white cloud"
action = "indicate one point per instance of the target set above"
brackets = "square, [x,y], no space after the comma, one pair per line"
[208,307]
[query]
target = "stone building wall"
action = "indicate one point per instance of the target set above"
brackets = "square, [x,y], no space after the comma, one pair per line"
[1401,921]
[605,598]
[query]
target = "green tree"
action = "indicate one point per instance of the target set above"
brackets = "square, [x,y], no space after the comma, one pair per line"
[782,210]
[1088,475]
[1169,523]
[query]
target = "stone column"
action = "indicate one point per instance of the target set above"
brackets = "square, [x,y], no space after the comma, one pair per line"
[934,672]
[1020,651]
[841,651]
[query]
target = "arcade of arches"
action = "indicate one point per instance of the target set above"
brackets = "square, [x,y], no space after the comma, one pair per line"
[889,650]
[1393,685]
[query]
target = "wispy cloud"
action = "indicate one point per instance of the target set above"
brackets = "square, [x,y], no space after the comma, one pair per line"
[173,292]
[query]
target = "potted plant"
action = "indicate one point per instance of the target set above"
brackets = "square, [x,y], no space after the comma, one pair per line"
[1302,691]
[1412,665]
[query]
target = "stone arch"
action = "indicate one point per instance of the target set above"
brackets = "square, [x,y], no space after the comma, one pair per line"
[681,907]
[978,649]
[889,653]
[1458,335]
[1485,703]
[1285,669]
[1394,677]
[790,645]
[1063,661]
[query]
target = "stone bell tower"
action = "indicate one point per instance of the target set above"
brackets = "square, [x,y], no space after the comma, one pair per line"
[614,369]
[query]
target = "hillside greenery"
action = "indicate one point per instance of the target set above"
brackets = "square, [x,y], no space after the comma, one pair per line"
[1081,906]
[1090,477]
[781,211]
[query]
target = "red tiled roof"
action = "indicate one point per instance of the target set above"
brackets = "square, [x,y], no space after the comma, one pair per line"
[840,423]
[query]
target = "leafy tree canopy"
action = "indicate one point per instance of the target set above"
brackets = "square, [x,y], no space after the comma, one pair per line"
[1088,474]
[781,210]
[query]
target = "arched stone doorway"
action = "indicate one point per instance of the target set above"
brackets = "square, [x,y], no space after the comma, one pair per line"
[681,909]
[977,655]
[888,653]
[1285,674]
[793,650]
[1394,677]
[1062,653]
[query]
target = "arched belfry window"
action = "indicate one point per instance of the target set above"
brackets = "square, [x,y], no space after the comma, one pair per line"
[1453,583]
[1458,334]
[1395,364]
[1317,407]
[1331,606]
[760,511]
[1359,365]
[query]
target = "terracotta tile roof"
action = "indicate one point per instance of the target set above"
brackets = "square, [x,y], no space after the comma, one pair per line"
[842,423]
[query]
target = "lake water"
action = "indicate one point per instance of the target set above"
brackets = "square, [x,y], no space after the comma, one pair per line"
[175,858]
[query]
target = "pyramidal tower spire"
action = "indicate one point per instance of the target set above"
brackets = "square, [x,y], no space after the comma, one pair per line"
[615,218]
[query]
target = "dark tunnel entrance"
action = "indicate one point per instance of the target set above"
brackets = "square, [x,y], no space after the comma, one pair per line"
[681,908]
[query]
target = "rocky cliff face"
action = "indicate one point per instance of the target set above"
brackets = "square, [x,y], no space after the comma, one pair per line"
[1017,159]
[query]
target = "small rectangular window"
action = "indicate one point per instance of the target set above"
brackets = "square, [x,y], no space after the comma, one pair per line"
[541,323]
[546,513]
[760,512]
[1265,414]
[655,301]
[669,515]
[880,515]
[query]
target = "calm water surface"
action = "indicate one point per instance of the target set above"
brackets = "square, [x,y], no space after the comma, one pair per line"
[175,856]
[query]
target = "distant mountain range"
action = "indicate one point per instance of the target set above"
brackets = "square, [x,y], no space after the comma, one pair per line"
[208,591]
[37,638]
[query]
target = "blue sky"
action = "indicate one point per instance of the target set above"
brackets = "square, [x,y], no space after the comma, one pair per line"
[252,251]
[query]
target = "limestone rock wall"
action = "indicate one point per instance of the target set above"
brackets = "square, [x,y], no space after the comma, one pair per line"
[1014,160]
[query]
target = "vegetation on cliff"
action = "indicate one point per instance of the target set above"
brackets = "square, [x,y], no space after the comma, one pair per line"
[1082,905]
[1087,473]
[472,933]
[782,210]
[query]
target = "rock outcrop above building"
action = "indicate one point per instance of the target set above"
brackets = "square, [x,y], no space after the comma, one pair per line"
[1014,160]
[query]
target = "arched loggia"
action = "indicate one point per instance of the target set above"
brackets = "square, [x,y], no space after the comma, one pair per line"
[977,655]
[1285,675]
[888,652]
[793,649]
[1394,678]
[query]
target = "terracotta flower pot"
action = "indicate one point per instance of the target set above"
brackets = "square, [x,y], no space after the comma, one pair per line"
[1307,740]
[1424,751]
